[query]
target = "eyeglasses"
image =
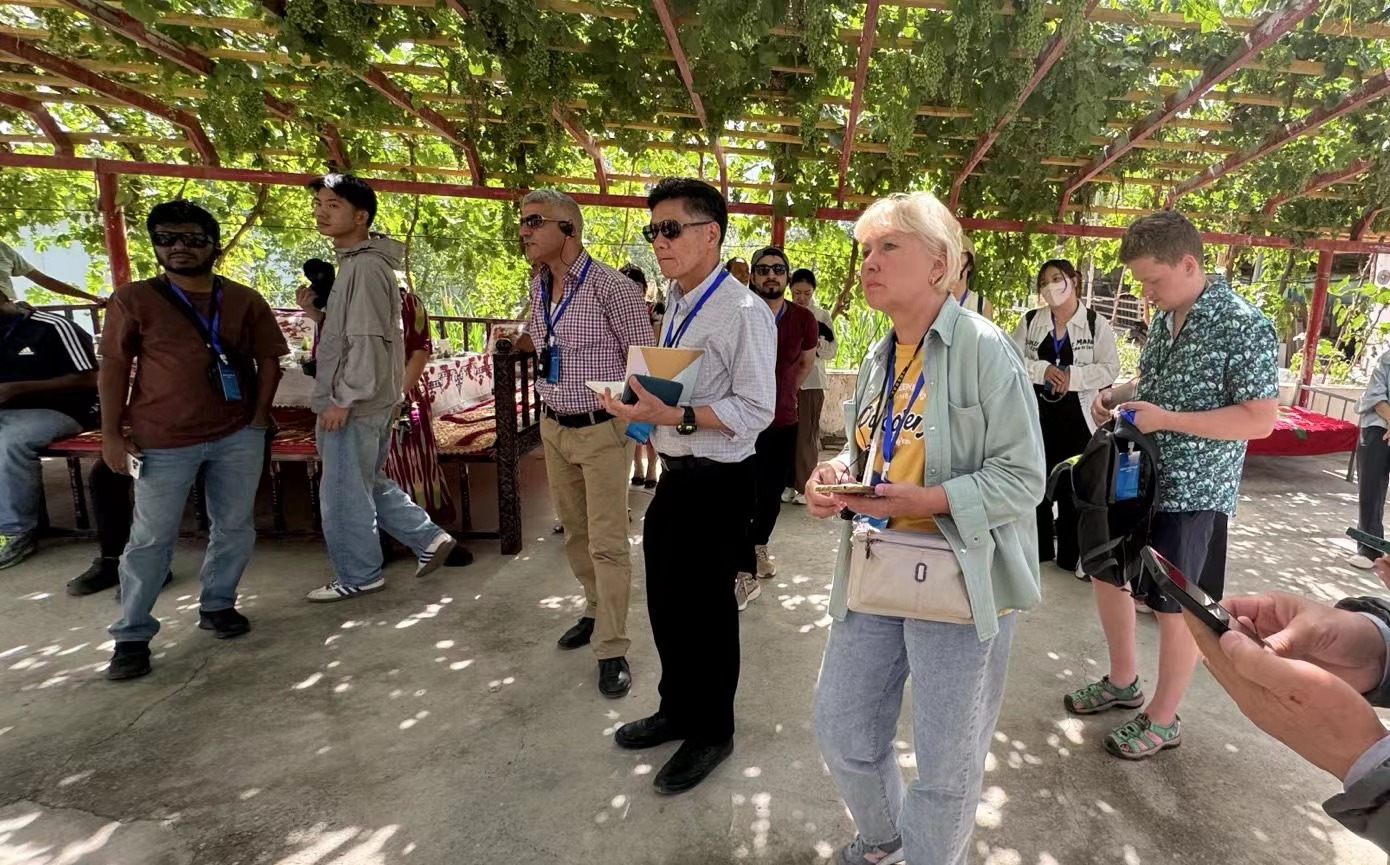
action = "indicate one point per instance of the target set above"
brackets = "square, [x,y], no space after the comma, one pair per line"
[669,228]
[191,239]
[765,269]
[535,221]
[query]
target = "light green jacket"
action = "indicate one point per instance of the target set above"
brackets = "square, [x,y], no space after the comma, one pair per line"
[984,446]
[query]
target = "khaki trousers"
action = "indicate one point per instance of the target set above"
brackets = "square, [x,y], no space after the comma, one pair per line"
[587,468]
[808,406]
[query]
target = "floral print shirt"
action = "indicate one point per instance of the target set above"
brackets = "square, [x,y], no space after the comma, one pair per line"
[1224,355]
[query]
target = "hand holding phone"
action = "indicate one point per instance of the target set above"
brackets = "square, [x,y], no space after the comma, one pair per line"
[866,490]
[1370,541]
[133,465]
[1191,597]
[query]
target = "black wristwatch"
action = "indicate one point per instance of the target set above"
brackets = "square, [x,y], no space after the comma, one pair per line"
[687,425]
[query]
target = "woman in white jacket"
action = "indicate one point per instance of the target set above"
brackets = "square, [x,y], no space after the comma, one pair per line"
[1070,354]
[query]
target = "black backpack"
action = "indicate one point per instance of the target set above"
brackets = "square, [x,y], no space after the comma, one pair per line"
[1110,533]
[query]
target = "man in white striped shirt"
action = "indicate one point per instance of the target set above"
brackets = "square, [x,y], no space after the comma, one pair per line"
[697,523]
[48,391]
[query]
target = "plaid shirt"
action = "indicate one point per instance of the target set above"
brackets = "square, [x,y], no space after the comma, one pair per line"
[604,316]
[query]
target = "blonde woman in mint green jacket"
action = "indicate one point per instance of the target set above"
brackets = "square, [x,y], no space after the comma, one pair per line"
[966,462]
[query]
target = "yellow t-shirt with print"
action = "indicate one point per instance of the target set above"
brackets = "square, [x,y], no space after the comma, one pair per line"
[910,453]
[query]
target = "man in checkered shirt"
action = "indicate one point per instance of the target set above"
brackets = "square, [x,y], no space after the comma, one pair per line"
[582,324]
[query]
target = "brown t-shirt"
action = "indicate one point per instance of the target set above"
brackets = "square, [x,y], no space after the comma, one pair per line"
[174,402]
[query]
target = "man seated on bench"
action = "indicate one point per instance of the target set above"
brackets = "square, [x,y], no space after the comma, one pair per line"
[48,391]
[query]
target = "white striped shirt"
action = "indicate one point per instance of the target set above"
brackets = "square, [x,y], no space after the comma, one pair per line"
[737,376]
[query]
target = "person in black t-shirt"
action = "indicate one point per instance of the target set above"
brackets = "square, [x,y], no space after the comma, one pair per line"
[48,391]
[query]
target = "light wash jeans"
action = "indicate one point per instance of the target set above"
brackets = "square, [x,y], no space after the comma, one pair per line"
[357,499]
[232,472]
[23,432]
[957,686]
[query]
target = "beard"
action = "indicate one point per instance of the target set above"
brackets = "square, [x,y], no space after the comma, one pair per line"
[769,291]
[201,269]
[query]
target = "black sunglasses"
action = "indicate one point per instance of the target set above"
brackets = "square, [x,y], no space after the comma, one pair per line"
[535,221]
[191,239]
[669,229]
[765,269]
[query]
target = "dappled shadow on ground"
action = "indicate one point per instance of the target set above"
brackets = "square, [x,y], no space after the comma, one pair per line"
[436,722]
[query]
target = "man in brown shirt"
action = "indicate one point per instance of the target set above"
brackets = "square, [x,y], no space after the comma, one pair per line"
[208,351]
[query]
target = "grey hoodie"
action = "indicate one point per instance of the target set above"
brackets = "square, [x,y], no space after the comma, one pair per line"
[361,350]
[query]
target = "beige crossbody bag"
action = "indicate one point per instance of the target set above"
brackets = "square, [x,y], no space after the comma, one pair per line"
[914,575]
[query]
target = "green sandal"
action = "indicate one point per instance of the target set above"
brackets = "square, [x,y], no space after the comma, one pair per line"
[1131,740]
[1102,695]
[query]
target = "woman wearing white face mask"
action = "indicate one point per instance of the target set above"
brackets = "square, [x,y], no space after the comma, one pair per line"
[1070,353]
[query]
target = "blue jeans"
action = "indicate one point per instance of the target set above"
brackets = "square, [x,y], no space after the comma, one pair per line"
[232,472]
[357,499]
[957,686]
[23,432]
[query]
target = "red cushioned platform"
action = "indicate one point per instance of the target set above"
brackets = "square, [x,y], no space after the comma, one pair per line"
[1300,433]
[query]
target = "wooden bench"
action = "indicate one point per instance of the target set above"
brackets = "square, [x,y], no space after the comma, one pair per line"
[476,435]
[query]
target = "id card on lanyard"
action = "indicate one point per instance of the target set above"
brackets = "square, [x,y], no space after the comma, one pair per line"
[550,360]
[885,434]
[208,330]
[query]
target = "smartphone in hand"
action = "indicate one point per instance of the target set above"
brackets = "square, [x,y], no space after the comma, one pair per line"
[1190,596]
[1366,539]
[133,464]
[865,490]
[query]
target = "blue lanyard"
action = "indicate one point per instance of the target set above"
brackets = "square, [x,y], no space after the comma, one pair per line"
[781,311]
[1058,344]
[673,333]
[211,336]
[891,427]
[552,321]
[960,301]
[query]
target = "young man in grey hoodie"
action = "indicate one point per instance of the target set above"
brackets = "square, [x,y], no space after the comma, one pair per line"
[357,389]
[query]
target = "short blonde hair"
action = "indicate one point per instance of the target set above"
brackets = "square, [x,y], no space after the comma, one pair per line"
[922,215]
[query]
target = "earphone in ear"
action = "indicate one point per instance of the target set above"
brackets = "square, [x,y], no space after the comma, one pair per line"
[566,228]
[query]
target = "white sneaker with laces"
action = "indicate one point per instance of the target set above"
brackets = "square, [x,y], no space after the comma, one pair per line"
[751,587]
[787,494]
[766,567]
[741,591]
[1361,563]
[340,591]
[798,499]
[435,554]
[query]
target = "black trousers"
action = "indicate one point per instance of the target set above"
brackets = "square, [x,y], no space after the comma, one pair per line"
[113,507]
[772,462]
[1065,434]
[1373,476]
[695,534]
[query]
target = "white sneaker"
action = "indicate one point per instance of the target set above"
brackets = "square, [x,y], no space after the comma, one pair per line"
[1141,607]
[741,591]
[766,567]
[787,495]
[798,499]
[1361,563]
[435,554]
[340,591]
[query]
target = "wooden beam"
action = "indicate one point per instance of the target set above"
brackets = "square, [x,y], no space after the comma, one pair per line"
[673,40]
[1374,88]
[1274,25]
[402,99]
[1364,221]
[1317,306]
[856,99]
[586,141]
[52,132]
[66,68]
[113,227]
[1050,54]
[1316,182]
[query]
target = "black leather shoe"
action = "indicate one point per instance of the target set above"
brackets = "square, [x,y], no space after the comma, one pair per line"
[130,661]
[224,623]
[647,733]
[614,678]
[691,764]
[102,575]
[578,635]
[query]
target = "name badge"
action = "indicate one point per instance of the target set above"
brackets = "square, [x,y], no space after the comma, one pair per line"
[552,373]
[231,386]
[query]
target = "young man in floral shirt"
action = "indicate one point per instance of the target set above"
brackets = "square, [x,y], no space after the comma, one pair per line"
[1208,382]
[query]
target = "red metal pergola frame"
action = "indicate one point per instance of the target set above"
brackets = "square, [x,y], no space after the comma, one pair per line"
[62,144]
[1269,30]
[856,99]
[1318,181]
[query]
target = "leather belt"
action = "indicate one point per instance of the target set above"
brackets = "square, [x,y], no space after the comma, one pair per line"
[674,464]
[579,420]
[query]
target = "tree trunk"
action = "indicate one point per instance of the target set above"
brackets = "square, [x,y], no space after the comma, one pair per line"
[262,193]
[842,301]
[409,241]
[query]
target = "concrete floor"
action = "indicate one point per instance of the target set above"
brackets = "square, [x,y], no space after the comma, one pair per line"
[436,722]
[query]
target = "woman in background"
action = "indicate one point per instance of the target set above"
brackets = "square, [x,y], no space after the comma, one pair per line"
[1070,353]
[646,451]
